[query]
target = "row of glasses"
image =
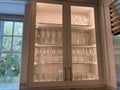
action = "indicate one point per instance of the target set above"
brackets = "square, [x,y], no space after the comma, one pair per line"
[48,55]
[49,35]
[55,55]
[57,77]
[45,77]
[80,38]
[80,20]
[85,76]
[84,54]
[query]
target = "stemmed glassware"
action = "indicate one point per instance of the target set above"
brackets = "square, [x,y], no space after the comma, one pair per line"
[85,75]
[82,54]
[36,56]
[51,54]
[53,37]
[87,52]
[48,36]
[43,52]
[42,36]
[82,38]
[80,20]
[86,38]
[74,57]
[59,36]
[60,74]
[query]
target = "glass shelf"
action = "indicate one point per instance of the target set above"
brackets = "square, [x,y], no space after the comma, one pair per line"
[94,63]
[59,26]
[48,25]
[48,63]
[49,45]
[83,46]
[74,46]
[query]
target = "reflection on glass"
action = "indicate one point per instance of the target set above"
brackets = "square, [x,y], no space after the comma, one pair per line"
[84,56]
[17,43]
[6,43]
[48,51]
[10,71]
[0,43]
[8,27]
[18,27]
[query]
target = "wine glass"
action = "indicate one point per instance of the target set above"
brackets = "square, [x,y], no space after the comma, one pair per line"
[48,57]
[47,36]
[60,74]
[60,52]
[42,53]
[86,37]
[82,38]
[52,51]
[42,36]
[74,57]
[74,20]
[59,36]
[53,36]
[85,20]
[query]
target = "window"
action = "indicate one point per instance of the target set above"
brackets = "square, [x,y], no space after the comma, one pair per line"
[116,45]
[10,53]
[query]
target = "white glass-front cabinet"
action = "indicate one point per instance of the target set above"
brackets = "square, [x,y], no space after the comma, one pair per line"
[63,47]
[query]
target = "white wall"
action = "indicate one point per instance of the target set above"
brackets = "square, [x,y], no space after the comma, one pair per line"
[10,7]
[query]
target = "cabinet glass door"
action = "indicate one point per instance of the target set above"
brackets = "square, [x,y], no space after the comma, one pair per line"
[84,54]
[48,49]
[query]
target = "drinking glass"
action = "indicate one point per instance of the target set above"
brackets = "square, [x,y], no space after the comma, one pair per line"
[81,39]
[53,37]
[60,74]
[86,38]
[59,36]
[48,36]
[42,36]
